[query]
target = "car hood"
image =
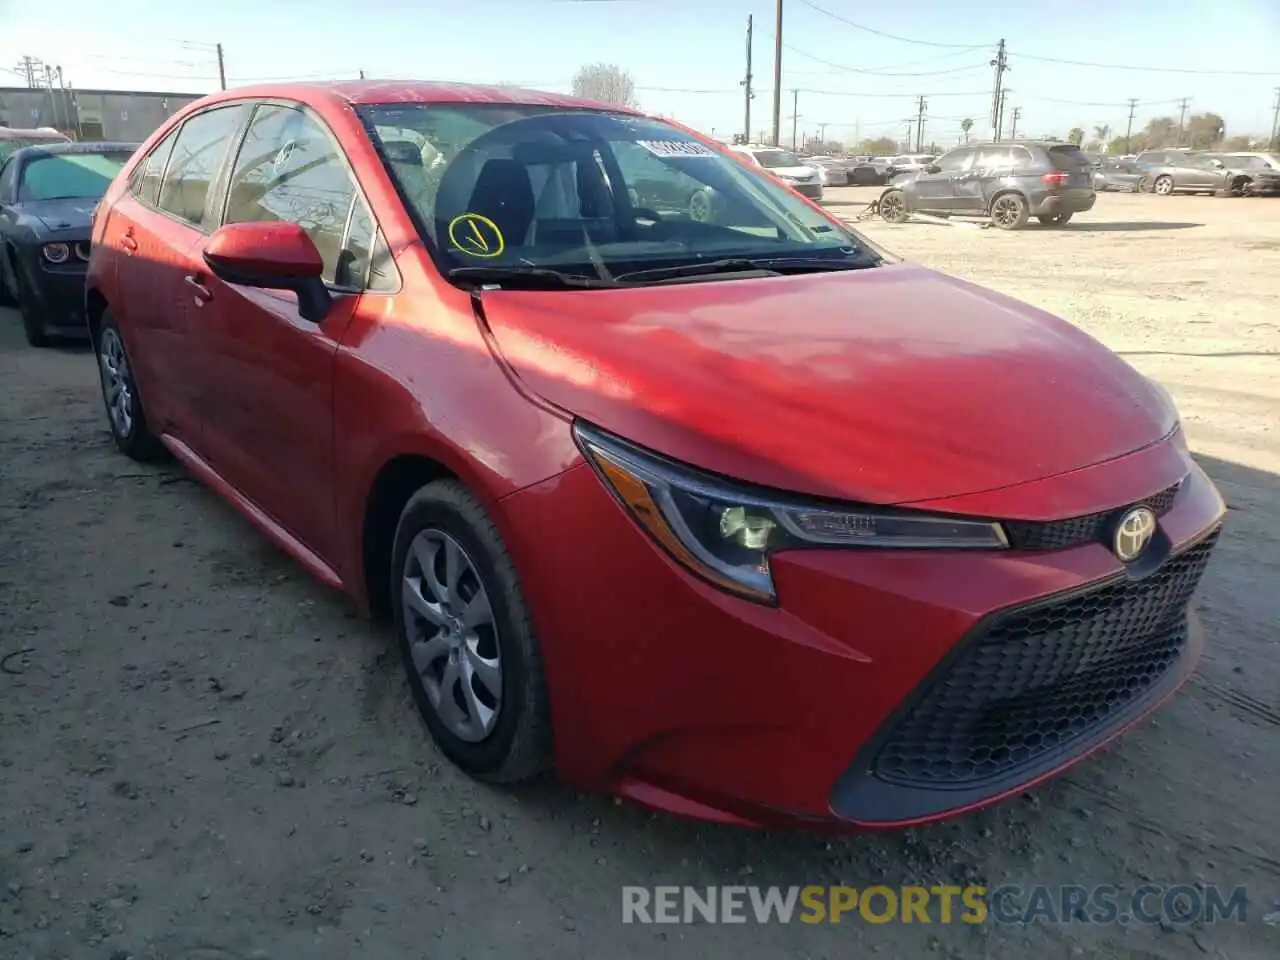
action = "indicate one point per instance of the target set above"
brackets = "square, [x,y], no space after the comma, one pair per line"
[59,215]
[793,173]
[885,385]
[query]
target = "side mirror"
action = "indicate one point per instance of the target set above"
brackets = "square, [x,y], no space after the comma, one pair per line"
[933,168]
[271,256]
[1218,163]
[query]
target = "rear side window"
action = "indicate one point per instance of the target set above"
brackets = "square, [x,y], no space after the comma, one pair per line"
[145,184]
[1068,157]
[197,156]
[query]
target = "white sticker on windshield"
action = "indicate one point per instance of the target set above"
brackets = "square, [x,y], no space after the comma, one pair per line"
[676,148]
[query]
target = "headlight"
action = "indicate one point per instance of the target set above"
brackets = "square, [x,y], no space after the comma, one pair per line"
[725,533]
[56,252]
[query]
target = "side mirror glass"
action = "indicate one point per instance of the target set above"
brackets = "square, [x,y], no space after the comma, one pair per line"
[271,256]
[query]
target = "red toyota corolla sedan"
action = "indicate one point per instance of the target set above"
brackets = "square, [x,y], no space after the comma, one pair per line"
[667,479]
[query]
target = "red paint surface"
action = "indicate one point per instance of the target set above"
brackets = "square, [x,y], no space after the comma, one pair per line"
[893,385]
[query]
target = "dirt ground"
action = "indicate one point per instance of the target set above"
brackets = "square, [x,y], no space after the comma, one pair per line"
[204,755]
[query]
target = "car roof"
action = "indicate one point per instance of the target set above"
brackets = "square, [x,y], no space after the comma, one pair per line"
[64,148]
[368,92]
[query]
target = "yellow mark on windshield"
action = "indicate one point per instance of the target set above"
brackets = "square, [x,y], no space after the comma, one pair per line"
[476,235]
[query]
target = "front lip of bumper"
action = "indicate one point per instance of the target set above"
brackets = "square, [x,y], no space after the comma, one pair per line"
[712,707]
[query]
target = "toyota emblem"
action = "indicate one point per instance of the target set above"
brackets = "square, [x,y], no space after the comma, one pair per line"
[1133,533]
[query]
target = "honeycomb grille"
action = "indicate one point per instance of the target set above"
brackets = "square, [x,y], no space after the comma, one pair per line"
[1033,680]
[1057,534]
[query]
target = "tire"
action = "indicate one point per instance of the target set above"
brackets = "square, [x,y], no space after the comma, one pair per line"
[1055,219]
[893,207]
[1009,211]
[501,736]
[125,415]
[32,322]
[1162,185]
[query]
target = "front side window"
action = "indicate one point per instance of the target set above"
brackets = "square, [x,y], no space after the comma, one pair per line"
[197,155]
[289,170]
[70,176]
[955,161]
[587,191]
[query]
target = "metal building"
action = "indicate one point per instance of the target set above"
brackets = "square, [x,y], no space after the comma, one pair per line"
[126,115]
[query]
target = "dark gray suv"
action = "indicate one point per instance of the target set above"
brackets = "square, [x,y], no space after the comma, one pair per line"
[1008,182]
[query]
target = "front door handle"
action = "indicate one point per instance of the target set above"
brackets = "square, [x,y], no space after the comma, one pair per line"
[202,293]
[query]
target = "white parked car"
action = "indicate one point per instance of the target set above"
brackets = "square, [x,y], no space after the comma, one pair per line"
[786,166]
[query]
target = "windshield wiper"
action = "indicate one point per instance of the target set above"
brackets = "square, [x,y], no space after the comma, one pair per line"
[537,278]
[770,265]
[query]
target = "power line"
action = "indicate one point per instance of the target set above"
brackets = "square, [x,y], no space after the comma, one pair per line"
[842,68]
[1138,69]
[881,33]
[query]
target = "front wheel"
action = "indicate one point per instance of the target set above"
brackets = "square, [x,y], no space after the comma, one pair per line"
[1055,219]
[125,415]
[893,207]
[466,639]
[1009,212]
[1163,186]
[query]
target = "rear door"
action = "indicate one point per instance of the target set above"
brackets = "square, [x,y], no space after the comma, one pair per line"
[991,166]
[152,229]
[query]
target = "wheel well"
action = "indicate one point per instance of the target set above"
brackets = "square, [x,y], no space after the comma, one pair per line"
[95,306]
[397,481]
[1004,193]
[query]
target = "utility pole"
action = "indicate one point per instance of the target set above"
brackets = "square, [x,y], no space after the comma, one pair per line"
[999,123]
[1182,117]
[1275,123]
[31,68]
[920,105]
[907,143]
[795,117]
[361,74]
[1001,63]
[822,134]
[1013,128]
[222,69]
[1128,131]
[748,93]
[777,76]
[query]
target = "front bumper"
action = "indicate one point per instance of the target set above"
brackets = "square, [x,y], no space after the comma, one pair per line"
[1265,188]
[58,294]
[681,697]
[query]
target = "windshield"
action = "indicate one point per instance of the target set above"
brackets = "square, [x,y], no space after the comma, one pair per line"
[78,176]
[584,192]
[777,158]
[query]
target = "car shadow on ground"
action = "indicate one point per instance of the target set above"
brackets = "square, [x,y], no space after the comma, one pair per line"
[1132,226]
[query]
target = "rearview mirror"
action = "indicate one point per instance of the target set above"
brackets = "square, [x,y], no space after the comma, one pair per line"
[271,256]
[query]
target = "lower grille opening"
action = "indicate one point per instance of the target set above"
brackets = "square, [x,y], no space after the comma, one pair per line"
[1032,680]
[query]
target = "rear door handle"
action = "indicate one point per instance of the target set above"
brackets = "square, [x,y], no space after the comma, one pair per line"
[202,293]
[130,245]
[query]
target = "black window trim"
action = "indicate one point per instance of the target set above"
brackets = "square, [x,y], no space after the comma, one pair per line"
[377,237]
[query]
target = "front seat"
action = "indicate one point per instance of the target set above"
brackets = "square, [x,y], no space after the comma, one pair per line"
[504,194]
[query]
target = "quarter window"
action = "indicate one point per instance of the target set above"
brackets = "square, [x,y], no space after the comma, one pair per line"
[197,154]
[146,179]
[290,170]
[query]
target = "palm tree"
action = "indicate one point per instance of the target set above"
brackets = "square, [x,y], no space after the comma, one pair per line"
[966,125]
[1102,132]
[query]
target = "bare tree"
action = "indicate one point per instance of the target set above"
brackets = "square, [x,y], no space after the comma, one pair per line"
[605,82]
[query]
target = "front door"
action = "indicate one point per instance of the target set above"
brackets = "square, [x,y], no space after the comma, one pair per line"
[266,386]
[935,190]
